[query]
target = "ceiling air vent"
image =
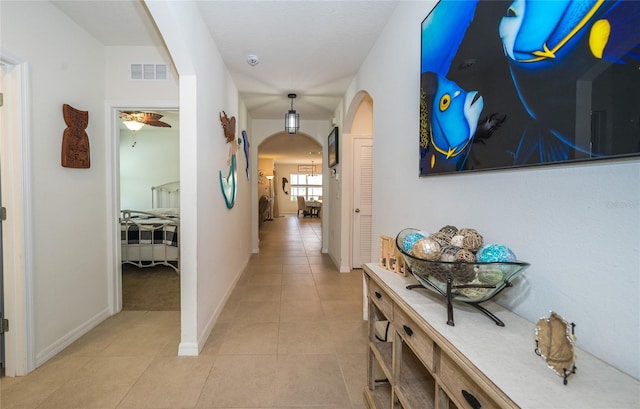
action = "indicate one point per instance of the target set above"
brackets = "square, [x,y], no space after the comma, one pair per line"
[149,72]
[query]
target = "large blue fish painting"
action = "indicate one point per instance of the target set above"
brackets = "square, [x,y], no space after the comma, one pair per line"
[525,82]
[449,113]
[454,116]
[555,49]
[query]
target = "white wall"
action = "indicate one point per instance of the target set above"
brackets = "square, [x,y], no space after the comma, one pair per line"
[154,160]
[578,225]
[118,84]
[215,244]
[69,230]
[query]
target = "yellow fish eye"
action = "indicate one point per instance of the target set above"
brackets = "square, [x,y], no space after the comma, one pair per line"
[445,101]
[599,37]
[511,12]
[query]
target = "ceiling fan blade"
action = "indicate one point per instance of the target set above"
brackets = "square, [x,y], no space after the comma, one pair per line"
[147,118]
[157,123]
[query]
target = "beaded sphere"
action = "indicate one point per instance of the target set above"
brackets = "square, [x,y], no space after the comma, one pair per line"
[410,239]
[426,249]
[495,253]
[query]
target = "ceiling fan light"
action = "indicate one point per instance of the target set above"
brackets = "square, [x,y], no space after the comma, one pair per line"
[133,125]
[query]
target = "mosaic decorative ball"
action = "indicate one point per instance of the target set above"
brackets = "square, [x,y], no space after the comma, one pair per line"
[410,239]
[495,253]
[426,249]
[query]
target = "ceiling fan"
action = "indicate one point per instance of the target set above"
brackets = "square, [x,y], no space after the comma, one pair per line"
[140,118]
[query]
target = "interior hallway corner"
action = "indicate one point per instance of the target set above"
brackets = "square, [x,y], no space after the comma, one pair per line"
[290,335]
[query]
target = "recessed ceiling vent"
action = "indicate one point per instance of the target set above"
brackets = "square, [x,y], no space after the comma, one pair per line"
[149,72]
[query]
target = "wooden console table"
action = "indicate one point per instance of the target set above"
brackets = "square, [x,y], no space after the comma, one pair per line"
[425,363]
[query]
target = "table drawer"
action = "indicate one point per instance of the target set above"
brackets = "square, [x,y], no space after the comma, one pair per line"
[415,337]
[464,391]
[381,299]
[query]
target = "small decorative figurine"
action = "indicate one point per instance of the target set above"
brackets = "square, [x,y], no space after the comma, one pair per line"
[75,141]
[555,341]
[390,257]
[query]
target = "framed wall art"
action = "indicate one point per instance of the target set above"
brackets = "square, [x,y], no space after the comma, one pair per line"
[528,82]
[332,148]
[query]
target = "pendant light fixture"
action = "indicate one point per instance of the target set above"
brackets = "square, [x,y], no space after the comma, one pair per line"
[291,119]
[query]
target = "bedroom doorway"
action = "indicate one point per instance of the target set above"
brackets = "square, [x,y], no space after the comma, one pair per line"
[149,203]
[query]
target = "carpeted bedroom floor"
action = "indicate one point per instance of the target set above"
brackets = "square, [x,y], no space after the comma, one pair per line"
[150,289]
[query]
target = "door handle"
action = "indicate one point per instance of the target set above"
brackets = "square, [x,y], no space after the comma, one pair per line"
[357,210]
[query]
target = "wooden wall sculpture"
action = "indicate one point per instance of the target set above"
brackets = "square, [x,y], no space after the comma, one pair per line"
[75,141]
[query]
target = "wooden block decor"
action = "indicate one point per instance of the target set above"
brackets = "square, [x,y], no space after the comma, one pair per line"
[75,141]
[390,257]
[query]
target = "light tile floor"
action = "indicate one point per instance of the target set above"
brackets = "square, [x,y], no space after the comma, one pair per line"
[291,335]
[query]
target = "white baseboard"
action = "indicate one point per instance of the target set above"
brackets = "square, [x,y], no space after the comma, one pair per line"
[72,336]
[188,349]
[194,348]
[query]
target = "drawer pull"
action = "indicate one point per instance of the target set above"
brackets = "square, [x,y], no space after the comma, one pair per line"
[378,295]
[471,400]
[408,330]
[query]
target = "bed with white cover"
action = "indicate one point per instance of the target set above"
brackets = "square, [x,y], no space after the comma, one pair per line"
[151,237]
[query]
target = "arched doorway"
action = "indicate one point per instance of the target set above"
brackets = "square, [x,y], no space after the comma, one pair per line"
[288,166]
[357,184]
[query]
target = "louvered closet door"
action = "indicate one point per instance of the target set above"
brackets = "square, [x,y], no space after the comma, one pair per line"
[362,200]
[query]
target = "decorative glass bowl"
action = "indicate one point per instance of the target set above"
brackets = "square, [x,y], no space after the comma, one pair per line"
[471,283]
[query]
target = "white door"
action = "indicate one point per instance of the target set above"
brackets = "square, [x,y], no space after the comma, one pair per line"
[362,200]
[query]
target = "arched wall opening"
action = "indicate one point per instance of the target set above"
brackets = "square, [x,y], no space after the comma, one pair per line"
[283,153]
[356,185]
